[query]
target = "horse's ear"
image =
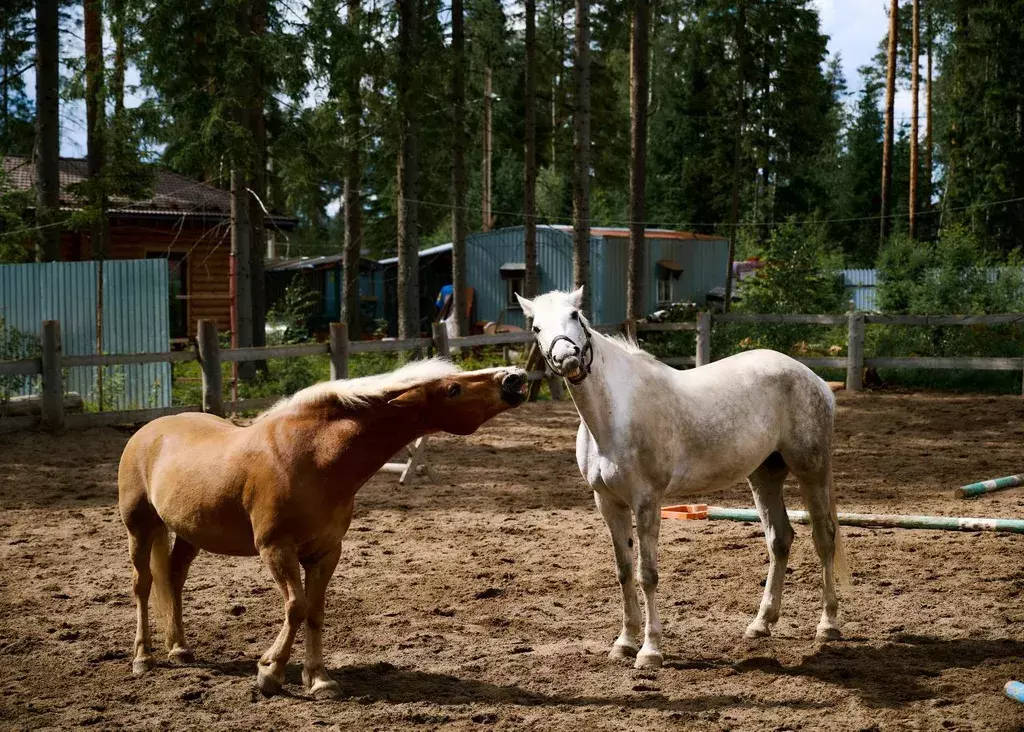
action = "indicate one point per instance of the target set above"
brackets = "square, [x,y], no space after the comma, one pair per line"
[576,298]
[412,398]
[526,305]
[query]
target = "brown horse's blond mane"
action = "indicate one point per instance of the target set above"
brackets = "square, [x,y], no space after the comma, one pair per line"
[358,393]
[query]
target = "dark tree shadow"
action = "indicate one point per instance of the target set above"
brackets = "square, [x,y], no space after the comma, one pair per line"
[895,673]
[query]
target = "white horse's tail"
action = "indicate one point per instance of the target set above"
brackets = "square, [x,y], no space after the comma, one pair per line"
[840,564]
[160,568]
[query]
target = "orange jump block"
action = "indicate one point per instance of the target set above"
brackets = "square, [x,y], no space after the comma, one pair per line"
[685,511]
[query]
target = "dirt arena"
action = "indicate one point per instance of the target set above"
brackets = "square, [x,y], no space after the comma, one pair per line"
[488,598]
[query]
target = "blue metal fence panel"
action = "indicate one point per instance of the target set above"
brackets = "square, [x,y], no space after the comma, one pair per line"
[135,320]
[861,287]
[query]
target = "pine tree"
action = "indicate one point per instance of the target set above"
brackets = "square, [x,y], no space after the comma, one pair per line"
[47,144]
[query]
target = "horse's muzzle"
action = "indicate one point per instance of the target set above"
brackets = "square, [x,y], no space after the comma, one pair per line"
[514,388]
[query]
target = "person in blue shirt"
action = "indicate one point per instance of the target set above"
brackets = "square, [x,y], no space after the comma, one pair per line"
[446,292]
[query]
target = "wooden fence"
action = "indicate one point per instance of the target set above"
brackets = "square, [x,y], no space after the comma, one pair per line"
[210,357]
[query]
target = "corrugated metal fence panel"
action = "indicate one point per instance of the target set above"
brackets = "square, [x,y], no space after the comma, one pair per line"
[861,287]
[136,319]
[64,291]
[608,264]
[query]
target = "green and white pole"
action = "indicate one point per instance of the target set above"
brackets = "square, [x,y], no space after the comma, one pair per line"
[972,490]
[883,521]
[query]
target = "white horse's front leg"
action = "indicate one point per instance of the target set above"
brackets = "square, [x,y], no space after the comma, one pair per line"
[648,527]
[620,525]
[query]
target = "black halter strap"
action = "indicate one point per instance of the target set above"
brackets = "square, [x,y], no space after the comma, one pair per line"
[586,354]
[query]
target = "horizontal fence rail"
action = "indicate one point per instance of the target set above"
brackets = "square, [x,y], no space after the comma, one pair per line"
[210,357]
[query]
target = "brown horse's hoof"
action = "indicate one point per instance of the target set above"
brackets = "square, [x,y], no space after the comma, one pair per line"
[142,665]
[181,655]
[622,652]
[269,686]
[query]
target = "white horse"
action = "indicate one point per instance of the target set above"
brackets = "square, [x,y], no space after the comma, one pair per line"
[647,430]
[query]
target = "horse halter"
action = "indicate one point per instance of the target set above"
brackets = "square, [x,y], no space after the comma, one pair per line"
[586,356]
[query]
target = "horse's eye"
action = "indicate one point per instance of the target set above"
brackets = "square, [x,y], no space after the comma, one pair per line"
[536,329]
[575,315]
[454,390]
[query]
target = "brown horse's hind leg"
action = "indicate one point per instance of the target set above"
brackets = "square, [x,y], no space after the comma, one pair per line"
[314,675]
[139,547]
[181,559]
[283,563]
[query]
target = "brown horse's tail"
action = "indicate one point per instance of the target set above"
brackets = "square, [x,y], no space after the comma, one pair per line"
[160,568]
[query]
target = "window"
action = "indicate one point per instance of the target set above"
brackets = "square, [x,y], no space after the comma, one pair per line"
[512,286]
[668,273]
[513,274]
[177,270]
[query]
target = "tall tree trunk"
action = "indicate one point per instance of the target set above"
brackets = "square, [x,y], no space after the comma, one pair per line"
[581,155]
[353,180]
[459,168]
[258,179]
[638,89]
[734,203]
[915,86]
[47,130]
[487,219]
[117,30]
[928,145]
[408,171]
[887,141]
[530,152]
[95,126]
[241,245]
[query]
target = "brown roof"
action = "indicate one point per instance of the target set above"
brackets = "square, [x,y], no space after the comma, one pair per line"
[172,194]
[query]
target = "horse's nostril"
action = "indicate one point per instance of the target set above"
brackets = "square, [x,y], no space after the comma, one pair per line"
[512,381]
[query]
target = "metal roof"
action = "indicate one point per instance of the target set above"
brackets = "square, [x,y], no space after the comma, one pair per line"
[171,195]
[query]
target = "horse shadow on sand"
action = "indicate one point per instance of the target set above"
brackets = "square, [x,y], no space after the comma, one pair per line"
[383,682]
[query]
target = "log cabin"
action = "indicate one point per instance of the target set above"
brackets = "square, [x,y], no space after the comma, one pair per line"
[184,221]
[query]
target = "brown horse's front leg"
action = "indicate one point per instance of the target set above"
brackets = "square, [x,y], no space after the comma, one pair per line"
[314,675]
[283,563]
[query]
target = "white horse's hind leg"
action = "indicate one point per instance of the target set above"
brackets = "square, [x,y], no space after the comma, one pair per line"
[648,526]
[817,490]
[766,484]
[620,525]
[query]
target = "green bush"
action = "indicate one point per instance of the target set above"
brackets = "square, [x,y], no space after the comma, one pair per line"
[15,344]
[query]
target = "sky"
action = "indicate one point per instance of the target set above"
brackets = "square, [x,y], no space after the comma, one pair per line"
[854,28]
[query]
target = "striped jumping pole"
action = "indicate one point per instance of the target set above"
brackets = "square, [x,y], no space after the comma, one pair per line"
[1015,690]
[868,520]
[989,486]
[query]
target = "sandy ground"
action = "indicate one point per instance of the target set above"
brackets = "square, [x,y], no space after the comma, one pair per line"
[489,599]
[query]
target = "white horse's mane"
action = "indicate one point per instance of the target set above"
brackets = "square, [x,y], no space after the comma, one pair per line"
[357,393]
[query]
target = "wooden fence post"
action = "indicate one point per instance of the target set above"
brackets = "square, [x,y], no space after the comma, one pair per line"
[441,340]
[52,402]
[339,351]
[208,341]
[855,352]
[703,338]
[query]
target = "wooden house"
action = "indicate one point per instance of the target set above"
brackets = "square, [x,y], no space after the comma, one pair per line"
[184,221]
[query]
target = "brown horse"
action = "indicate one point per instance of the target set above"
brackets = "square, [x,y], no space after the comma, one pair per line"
[283,488]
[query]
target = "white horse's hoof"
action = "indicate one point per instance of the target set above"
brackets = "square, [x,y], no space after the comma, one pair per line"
[142,665]
[621,652]
[758,629]
[829,633]
[269,685]
[325,689]
[649,659]
[179,654]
